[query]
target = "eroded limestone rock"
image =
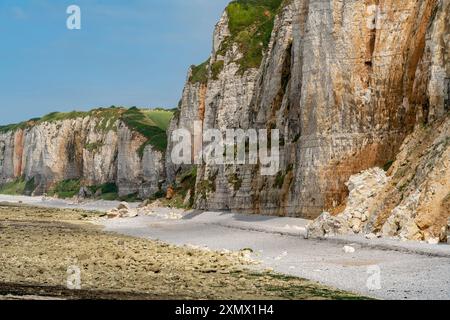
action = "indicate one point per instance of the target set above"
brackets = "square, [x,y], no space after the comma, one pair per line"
[412,202]
[93,149]
[344,91]
[327,225]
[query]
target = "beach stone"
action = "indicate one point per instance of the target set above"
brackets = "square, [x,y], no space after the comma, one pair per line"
[112,214]
[84,193]
[98,193]
[123,205]
[348,249]
[170,193]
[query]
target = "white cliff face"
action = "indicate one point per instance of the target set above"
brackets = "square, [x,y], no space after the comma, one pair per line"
[189,112]
[136,174]
[221,32]
[6,156]
[357,94]
[153,172]
[345,82]
[83,149]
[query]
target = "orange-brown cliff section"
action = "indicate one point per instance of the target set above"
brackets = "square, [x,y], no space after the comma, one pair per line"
[394,62]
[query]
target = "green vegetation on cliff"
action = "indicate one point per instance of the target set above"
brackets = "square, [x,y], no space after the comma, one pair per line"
[151,123]
[200,73]
[70,188]
[184,191]
[216,68]
[250,23]
[160,117]
[19,186]
[107,118]
[16,187]
[66,188]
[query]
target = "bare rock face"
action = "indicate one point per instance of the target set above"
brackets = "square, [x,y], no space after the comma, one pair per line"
[93,149]
[137,173]
[345,82]
[410,202]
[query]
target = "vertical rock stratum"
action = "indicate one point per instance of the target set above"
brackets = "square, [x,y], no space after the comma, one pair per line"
[112,146]
[344,81]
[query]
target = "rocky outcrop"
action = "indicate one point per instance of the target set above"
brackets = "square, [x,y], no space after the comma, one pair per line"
[96,148]
[411,201]
[363,190]
[345,82]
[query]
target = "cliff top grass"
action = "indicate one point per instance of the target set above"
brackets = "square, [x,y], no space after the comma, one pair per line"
[151,123]
[160,116]
[250,23]
[111,113]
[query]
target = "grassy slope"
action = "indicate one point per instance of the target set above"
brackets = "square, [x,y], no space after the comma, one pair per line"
[152,123]
[160,117]
[108,116]
[250,23]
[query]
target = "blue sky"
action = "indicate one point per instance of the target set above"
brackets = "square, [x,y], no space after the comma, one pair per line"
[128,52]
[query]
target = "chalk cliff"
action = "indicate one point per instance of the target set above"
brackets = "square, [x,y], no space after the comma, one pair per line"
[345,82]
[97,147]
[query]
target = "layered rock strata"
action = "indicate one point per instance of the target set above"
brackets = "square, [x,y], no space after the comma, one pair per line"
[93,149]
[345,82]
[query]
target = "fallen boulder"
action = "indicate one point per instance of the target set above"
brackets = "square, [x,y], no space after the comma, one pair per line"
[84,193]
[123,205]
[349,249]
[326,225]
[363,189]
